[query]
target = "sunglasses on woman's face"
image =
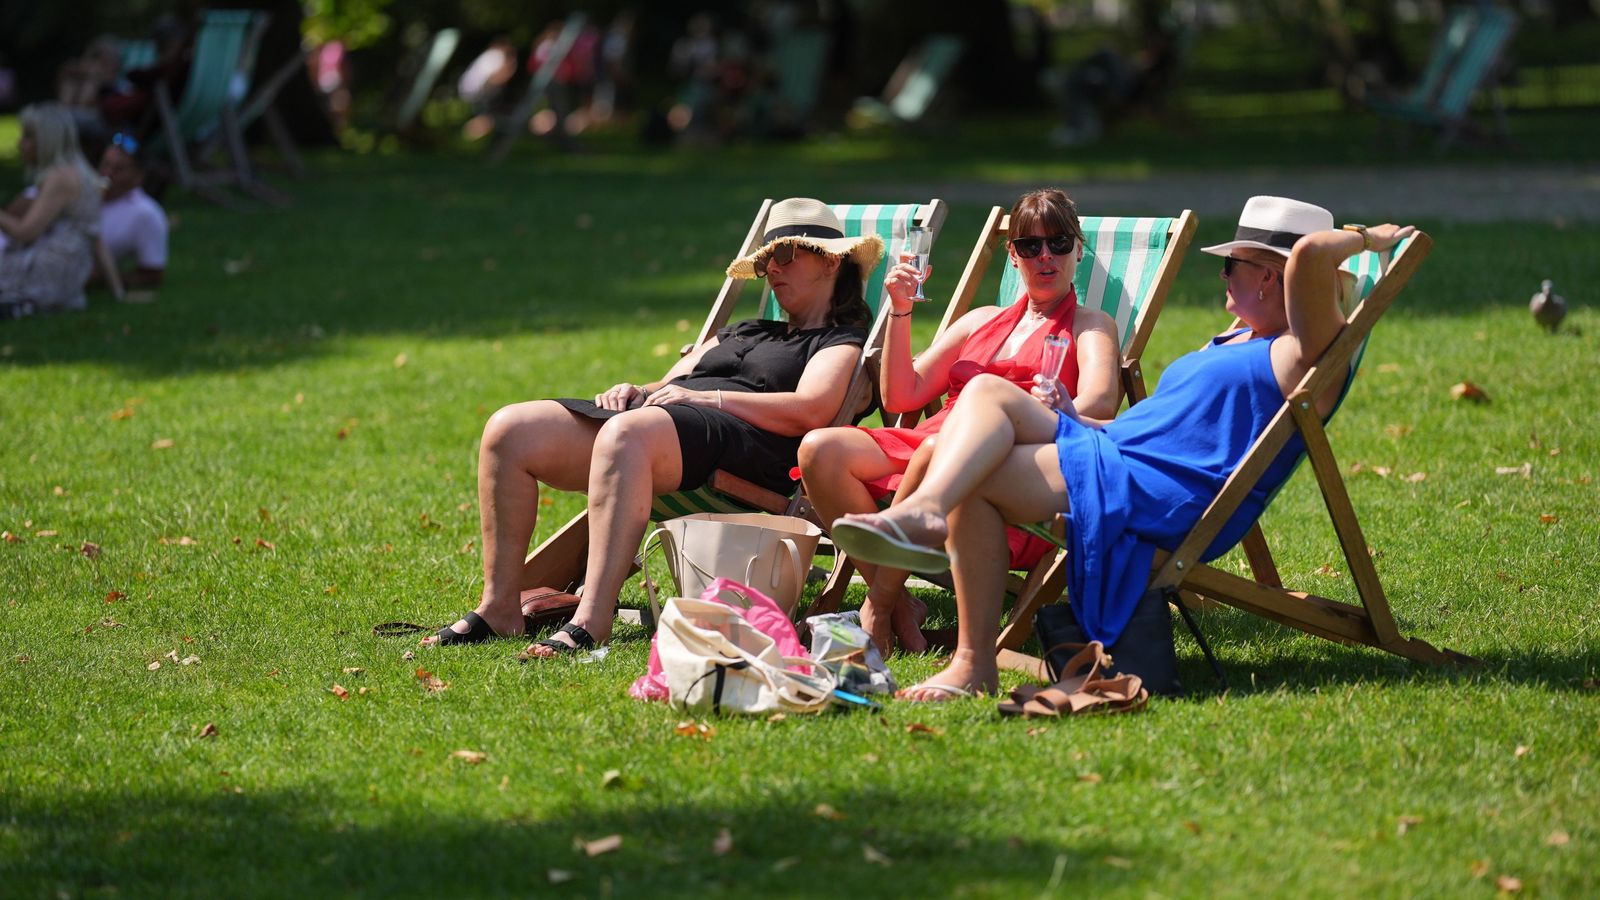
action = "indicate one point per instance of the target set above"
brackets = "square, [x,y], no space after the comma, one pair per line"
[783,255]
[1228,262]
[127,143]
[1029,247]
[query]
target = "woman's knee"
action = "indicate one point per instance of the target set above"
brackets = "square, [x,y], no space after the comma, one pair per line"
[631,434]
[821,448]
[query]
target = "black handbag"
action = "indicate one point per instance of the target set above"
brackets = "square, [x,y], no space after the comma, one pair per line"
[1145,647]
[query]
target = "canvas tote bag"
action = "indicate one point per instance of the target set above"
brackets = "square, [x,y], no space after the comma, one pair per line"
[769,553]
[716,661]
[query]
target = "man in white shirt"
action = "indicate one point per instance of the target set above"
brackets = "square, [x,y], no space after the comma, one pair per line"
[132,225]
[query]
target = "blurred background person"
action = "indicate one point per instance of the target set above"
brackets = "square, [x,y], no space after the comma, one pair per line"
[132,224]
[51,235]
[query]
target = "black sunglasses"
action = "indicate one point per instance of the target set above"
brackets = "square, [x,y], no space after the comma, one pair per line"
[783,254]
[1228,262]
[1029,247]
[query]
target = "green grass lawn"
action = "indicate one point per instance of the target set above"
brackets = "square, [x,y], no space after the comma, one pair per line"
[280,453]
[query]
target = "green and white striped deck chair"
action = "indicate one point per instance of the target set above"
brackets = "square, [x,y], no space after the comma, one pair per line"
[1473,43]
[206,108]
[1379,280]
[435,57]
[1127,269]
[915,84]
[559,560]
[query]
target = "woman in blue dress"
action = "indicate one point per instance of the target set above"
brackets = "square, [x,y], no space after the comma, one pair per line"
[1142,480]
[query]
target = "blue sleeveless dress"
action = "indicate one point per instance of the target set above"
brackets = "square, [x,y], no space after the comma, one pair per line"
[1143,481]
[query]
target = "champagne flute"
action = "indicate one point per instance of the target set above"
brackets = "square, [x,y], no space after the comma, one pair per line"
[914,249]
[1053,357]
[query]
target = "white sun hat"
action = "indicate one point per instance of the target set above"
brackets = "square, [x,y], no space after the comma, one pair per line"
[810,224]
[1274,223]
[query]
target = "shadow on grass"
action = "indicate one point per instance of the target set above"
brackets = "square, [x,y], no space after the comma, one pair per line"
[304,844]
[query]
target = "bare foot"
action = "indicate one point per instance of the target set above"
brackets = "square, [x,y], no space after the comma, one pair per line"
[878,624]
[907,621]
[503,624]
[966,676]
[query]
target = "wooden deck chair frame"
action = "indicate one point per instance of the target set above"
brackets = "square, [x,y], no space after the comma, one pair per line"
[1371,623]
[205,111]
[1136,307]
[258,104]
[515,124]
[560,559]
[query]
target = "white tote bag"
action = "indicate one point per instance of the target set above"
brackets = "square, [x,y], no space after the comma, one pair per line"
[715,661]
[769,553]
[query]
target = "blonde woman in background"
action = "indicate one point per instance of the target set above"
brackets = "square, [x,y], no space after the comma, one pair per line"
[51,229]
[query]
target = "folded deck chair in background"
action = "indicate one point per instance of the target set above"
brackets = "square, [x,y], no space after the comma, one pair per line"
[1371,623]
[1127,269]
[799,56]
[1465,60]
[515,123]
[206,110]
[559,560]
[254,99]
[915,84]
[436,54]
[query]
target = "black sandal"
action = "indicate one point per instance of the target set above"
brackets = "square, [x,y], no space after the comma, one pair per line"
[581,640]
[477,632]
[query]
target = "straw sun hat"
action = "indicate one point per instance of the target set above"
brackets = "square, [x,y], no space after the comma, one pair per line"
[1274,223]
[812,225]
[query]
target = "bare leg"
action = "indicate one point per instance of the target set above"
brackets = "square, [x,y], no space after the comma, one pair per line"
[635,457]
[523,444]
[993,417]
[835,464]
[1027,486]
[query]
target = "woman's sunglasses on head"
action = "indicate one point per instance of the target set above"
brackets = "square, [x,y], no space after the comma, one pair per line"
[1029,247]
[127,143]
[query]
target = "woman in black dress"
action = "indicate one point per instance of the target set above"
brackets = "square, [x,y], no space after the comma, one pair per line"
[741,401]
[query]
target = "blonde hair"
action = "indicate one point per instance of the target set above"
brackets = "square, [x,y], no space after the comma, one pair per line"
[55,141]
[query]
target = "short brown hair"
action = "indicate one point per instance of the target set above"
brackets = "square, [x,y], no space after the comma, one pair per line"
[1048,209]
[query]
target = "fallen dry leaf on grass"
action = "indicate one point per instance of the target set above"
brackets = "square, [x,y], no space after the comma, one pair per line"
[9,538]
[210,730]
[1558,838]
[338,691]
[612,778]
[1406,823]
[598,846]
[184,541]
[188,660]
[48,532]
[161,444]
[1479,868]
[431,681]
[1508,883]
[1194,827]
[1466,390]
[1548,519]
[123,413]
[824,811]
[1520,752]
[558,876]
[1525,470]
[400,361]
[694,729]
[114,596]
[353,670]
[722,844]
[471,757]
[873,855]
[919,728]
[172,655]
[1089,778]
[1118,862]
[266,544]
[1415,477]
[154,665]
[1328,570]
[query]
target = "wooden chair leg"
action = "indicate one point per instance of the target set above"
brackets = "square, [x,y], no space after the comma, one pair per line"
[558,562]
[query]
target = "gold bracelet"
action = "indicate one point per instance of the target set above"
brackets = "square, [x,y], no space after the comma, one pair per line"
[1366,239]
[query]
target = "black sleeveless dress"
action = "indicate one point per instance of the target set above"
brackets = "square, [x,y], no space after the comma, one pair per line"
[757,356]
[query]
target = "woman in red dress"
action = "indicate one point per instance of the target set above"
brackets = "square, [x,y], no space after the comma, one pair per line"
[848,469]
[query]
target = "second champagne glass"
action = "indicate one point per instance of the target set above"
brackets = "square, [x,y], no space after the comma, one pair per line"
[1053,357]
[914,249]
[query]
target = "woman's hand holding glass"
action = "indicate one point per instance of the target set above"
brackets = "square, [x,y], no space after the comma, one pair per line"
[914,249]
[902,282]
